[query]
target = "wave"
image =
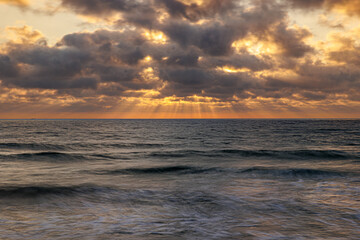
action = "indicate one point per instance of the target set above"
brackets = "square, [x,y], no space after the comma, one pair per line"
[135,145]
[31,146]
[274,154]
[257,171]
[294,172]
[48,154]
[37,191]
[179,153]
[161,170]
[45,156]
[106,156]
[178,198]
[277,154]
[292,154]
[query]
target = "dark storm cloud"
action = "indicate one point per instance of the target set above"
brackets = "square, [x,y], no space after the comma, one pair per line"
[217,39]
[143,16]
[350,56]
[99,7]
[291,41]
[47,68]
[144,12]
[193,12]
[191,77]
[306,3]
[132,57]
[102,38]
[226,85]
[108,46]
[267,20]
[214,39]
[316,81]
[49,81]
[134,12]
[60,62]
[188,60]
[328,78]
[7,67]
[205,82]
[175,8]
[79,61]
[109,73]
[172,54]
[186,81]
[85,60]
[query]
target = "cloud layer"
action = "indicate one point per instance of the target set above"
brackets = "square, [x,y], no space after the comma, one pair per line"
[223,56]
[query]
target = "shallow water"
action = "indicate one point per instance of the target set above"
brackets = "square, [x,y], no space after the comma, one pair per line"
[180,179]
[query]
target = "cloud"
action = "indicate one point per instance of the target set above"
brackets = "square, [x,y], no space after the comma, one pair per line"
[49,68]
[344,49]
[205,82]
[142,15]
[194,12]
[324,20]
[349,7]
[292,41]
[186,82]
[78,61]
[214,39]
[307,3]
[244,60]
[189,59]
[18,3]
[322,80]
[97,7]
[25,35]
[108,46]
[139,11]
[224,54]
[7,68]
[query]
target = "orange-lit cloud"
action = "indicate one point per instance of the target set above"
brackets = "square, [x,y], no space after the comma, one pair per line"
[18,3]
[349,7]
[25,35]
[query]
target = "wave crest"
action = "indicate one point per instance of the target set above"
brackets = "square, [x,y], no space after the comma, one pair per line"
[162,170]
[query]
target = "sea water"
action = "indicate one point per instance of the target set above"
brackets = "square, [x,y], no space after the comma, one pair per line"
[180,179]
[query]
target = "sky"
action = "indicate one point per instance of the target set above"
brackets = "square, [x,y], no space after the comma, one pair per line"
[179,59]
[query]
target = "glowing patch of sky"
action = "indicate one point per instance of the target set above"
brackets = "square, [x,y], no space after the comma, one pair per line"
[54,27]
[320,31]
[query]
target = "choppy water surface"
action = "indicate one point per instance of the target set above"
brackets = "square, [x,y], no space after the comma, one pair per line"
[180,179]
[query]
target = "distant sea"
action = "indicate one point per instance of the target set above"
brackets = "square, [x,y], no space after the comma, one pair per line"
[179,179]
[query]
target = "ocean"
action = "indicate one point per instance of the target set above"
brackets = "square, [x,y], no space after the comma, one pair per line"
[180,179]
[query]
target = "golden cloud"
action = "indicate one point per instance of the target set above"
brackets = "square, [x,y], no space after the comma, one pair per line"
[349,7]
[19,3]
[24,35]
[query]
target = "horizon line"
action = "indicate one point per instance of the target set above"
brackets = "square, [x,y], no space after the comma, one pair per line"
[314,118]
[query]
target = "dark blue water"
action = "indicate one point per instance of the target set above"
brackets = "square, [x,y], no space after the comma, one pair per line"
[180,179]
